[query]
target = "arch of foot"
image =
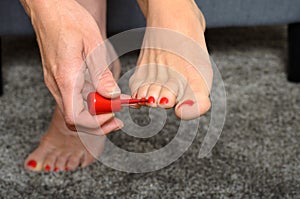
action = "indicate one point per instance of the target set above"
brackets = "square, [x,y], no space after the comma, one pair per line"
[173,70]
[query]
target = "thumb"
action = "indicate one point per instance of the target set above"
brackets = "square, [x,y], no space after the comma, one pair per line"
[106,85]
[102,78]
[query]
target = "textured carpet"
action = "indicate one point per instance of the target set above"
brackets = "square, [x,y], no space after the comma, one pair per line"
[257,156]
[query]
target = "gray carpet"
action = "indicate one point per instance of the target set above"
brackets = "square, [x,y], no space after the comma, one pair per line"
[257,156]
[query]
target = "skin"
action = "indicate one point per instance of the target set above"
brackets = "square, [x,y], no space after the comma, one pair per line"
[65,43]
[158,71]
[63,46]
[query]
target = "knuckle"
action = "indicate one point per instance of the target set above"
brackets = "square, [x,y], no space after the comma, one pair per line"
[69,120]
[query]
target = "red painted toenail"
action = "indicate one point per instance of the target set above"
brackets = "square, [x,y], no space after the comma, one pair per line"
[56,169]
[66,169]
[143,99]
[47,168]
[32,163]
[151,100]
[164,100]
[187,102]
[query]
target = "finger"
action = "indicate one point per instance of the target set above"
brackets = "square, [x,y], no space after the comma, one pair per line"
[71,85]
[113,125]
[87,123]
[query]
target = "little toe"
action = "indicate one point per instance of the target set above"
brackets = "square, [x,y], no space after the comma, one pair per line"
[167,99]
[87,159]
[74,161]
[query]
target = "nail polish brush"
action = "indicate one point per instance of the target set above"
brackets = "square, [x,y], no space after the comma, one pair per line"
[98,104]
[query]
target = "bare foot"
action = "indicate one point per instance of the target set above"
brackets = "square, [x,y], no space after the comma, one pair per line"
[165,78]
[61,149]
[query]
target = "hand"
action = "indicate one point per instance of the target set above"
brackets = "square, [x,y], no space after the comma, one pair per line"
[66,34]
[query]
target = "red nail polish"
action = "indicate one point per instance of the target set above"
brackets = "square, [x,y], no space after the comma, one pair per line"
[47,168]
[151,100]
[56,169]
[143,99]
[187,102]
[66,169]
[164,100]
[32,163]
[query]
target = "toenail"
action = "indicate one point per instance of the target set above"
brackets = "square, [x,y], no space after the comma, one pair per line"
[151,100]
[164,100]
[143,99]
[56,169]
[47,168]
[32,163]
[187,102]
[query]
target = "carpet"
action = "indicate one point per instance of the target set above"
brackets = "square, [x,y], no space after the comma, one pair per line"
[257,155]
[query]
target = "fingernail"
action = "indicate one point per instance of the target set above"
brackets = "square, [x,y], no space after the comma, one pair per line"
[151,100]
[32,163]
[47,168]
[164,100]
[187,102]
[66,169]
[120,126]
[56,169]
[112,88]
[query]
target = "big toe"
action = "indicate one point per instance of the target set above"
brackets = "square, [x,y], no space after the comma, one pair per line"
[35,161]
[195,101]
[190,109]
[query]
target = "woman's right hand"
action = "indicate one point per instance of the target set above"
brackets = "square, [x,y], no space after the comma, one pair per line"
[66,34]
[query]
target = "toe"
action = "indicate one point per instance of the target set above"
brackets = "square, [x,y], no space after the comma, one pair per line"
[50,161]
[61,161]
[191,107]
[142,91]
[87,160]
[35,160]
[195,100]
[167,99]
[74,161]
[137,79]
[153,94]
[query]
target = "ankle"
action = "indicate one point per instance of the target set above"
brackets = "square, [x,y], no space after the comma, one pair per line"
[167,10]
